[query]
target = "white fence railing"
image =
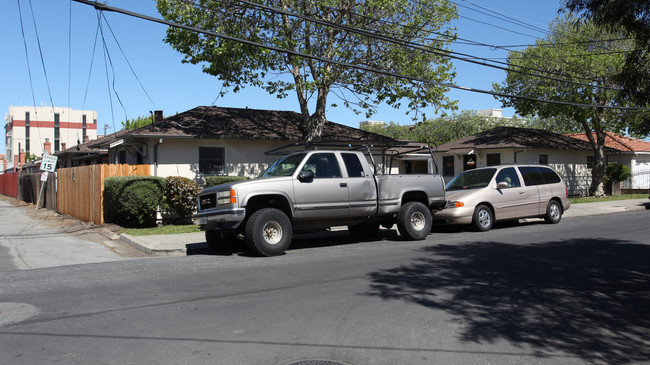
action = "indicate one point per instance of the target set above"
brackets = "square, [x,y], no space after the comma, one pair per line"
[638,180]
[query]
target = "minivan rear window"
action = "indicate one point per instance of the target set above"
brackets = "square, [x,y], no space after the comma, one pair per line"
[531,176]
[550,176]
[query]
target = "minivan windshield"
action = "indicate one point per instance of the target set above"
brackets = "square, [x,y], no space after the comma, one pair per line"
[284,166]
[471,179]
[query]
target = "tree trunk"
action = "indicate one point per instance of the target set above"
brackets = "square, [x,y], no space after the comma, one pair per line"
[597,187]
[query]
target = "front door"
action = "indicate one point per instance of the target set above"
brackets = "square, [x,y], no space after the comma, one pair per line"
[324,196]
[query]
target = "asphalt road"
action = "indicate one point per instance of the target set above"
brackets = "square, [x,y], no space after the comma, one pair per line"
[573,293]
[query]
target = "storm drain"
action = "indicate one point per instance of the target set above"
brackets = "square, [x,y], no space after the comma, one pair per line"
[318,362]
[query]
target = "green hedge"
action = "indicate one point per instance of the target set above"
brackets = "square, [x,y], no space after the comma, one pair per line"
[132,201]
[180,198]
[220,180]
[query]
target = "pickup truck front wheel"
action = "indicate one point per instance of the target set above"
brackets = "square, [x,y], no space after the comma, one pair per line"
[268,232]
[414,221]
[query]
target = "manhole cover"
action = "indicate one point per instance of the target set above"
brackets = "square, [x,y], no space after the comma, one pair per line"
[317,362]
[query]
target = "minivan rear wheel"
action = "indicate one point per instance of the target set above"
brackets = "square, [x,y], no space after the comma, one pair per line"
[553,212]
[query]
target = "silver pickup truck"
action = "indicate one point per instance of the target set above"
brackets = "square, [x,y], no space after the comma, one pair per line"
[314,190]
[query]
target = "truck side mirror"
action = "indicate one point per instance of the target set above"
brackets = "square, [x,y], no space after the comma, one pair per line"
[306,175]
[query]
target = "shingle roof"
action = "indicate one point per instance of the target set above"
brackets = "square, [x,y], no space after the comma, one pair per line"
[513,137]
[211,122]
[618,142]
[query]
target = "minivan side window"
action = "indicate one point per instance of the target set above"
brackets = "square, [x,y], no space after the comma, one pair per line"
[531,176]
[509,175]
[550,176]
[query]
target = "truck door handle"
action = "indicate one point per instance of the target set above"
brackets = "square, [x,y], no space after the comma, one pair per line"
[343,185]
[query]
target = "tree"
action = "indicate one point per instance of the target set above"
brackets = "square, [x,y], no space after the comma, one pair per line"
[632,16]
[392,130]
[331,47]
[459,125]
[589,58]
[131,124]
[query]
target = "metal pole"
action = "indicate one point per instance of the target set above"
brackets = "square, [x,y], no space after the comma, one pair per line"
[40,195]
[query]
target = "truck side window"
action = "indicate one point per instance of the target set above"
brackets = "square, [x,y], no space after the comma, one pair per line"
[323,165]
[353,165]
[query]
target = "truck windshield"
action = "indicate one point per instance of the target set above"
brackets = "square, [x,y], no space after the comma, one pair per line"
[472,179]
[284,166]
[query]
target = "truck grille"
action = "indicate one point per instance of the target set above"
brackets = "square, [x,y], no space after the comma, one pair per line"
[207,201]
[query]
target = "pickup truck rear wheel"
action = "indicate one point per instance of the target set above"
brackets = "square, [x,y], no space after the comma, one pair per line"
[268,232]
[414,221]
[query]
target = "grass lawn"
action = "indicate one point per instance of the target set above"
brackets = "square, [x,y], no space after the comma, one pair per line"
[591,199]
[172,229]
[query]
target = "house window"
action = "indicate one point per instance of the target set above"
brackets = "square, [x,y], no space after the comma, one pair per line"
[26,132]
[448,165]
[543,159]
[211,160]
[493,159]
[83,127]
[56,132]
[590,162]
[469,162]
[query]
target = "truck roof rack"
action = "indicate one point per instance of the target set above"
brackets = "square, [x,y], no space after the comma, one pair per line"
[392,150]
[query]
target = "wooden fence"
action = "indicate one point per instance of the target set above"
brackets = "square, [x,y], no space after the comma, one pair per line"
[80,190]
[9,184]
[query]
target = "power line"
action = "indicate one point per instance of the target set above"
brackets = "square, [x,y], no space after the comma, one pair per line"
[340,63]
[434,50]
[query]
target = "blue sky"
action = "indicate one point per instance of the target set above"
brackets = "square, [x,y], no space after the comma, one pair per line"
[176,87]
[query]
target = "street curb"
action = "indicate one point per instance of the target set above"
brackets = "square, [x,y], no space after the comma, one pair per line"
[144,247]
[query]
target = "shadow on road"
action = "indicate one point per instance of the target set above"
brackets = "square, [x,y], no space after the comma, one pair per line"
[589,298]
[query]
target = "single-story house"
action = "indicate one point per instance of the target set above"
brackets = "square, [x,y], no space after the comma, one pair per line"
[210,140]
[503,145]
[631,152]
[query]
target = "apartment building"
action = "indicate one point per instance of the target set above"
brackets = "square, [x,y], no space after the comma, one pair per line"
[28,129]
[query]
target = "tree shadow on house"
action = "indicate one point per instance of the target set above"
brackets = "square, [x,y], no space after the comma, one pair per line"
[587,298]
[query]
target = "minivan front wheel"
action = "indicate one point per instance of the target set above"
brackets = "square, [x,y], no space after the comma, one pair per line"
[483,218]
[553,212]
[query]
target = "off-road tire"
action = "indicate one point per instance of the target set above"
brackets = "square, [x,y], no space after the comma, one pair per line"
[414,221]
[268,232]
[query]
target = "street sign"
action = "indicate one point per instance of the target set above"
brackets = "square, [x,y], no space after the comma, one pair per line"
[49,163]
[44,176]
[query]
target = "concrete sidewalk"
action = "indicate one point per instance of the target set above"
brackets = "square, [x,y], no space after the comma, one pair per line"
[177,244]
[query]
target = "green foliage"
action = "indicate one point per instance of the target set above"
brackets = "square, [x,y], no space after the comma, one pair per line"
[180,196]
[220,180]
[31,157]
[631,16]
[132,201]
[392,130]
[583,54]
[424,22]
[131,124]
[616,172]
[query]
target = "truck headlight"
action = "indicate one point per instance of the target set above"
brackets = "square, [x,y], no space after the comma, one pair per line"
[227,197]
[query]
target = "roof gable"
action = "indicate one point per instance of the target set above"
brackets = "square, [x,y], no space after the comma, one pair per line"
[618,142]
[513,137]
[211,122]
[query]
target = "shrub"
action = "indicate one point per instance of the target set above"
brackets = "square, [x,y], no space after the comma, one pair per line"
[616,172]
[220,180]
[132,201]
[180,197]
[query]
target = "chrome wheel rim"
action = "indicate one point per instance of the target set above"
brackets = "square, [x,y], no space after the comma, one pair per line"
[272,233]
[417,221]
[484,218]
[555,211]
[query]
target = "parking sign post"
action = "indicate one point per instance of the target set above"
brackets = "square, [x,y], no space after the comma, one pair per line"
[48,165]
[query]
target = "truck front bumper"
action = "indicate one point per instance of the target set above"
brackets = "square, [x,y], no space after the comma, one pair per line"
[220,219]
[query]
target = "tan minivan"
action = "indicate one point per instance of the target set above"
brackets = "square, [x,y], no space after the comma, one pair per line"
[484,195]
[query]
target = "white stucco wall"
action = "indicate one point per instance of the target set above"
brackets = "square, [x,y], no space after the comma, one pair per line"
[180,157]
